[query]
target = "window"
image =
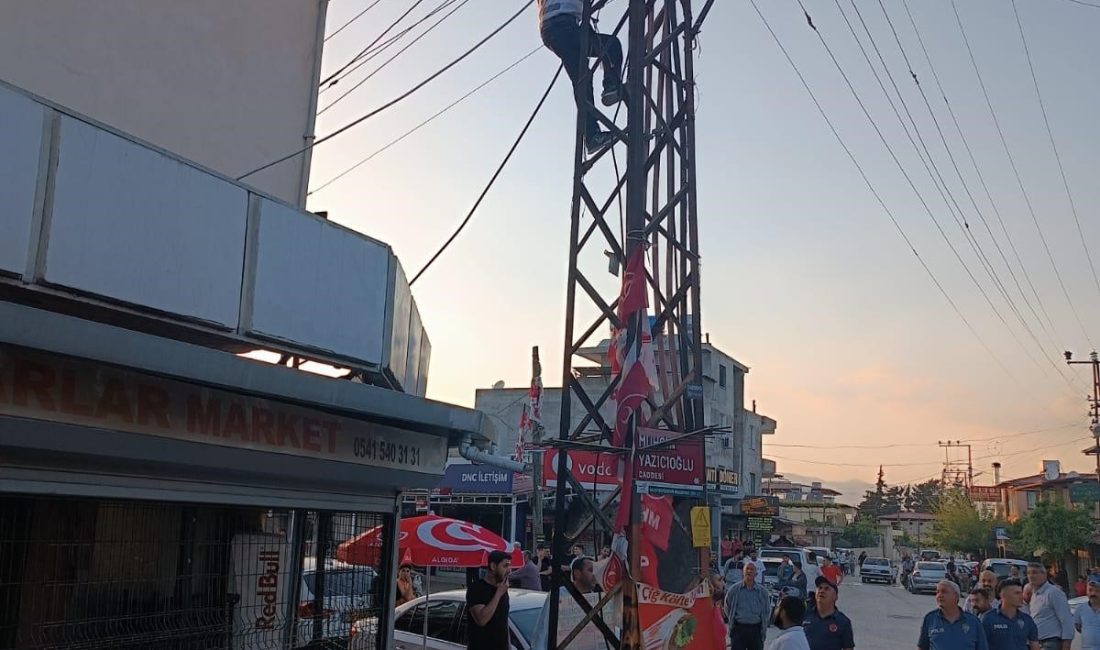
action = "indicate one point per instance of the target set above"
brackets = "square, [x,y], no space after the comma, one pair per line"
[1032,499]
[752,482]
[412,620]
[441,617]
[721,375]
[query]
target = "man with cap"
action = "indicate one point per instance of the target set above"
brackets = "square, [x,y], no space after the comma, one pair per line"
[827,628]
[948,627]
[1008,628]
[1087,617]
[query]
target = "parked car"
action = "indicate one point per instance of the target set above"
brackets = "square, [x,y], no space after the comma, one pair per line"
[349,590]
[926,575]
[795,554]
[771,570]
[447,622]
[1003,566]
[878,569]
[821,553]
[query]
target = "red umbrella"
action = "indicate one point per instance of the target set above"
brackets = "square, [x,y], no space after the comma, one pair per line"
[431,540]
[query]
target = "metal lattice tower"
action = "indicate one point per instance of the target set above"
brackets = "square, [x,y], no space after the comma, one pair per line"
[637,196]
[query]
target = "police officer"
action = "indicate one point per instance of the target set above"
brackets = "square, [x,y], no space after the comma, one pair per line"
[948,627]
[826,627]
[1006,627]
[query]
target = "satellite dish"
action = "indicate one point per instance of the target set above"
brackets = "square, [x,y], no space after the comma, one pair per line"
[498,386]
[1052,469]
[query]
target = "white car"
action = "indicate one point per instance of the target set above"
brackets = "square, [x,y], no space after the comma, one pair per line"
[447,622]
[1003,567]
[1074,603]
[349,591]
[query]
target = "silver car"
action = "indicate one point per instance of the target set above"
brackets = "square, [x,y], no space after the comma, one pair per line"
[447,622]
[349,590]
[926,575]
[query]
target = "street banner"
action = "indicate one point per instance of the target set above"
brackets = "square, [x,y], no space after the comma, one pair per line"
[590,468]
[675,469]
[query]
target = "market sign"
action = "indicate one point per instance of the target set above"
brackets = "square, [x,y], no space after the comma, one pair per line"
[58,389]
[985,494]
[764,506]
[1084,492]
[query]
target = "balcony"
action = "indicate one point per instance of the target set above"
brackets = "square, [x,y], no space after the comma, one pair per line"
[101,225]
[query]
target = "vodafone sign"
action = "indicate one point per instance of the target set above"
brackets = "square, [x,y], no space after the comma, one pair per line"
[588,467]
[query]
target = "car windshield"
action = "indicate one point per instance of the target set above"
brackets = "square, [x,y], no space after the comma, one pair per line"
[341,582]
[931,566]
[1003,569]
[525,621]
[794,555]
[876,561]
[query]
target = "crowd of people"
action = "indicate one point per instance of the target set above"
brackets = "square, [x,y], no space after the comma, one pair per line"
[1016,612]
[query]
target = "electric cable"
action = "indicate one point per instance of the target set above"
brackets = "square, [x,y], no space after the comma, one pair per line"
[988,194]
[492,180]
[326,80]
[874,192]
[353,19]
[1016,172]
[381,49]
[397,99]
[1054,147]
[425,122]
[390,60]
[965,227]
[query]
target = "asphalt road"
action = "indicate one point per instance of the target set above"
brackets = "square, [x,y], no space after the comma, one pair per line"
[885,617]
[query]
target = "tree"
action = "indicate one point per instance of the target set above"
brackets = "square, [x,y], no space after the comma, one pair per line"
[1053,531]
[959,525]
[861,533]
[924,497]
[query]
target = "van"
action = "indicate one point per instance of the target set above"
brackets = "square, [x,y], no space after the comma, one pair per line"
[1003,567]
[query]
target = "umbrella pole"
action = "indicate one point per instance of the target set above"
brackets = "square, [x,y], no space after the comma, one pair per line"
[427,596]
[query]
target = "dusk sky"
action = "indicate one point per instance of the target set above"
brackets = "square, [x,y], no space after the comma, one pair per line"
[805,280]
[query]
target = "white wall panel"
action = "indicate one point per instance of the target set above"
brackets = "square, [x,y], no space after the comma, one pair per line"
[21,135]
[132,224]
[402,310]
[229,85]
[412,361]
[319,285]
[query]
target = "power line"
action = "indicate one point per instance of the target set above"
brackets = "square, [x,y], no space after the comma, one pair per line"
[425,122]
[975,246]
[874,192]
[1054,147]
[326,80]
[353,19]
[1016,172]
[988,194]
[901,167]
[496,174]
[375,52]
[396,100]
[926,444]
[392,58]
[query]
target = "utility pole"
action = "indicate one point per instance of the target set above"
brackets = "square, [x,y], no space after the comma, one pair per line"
[645,221]
[535,419]
[957,471]
[1094,410]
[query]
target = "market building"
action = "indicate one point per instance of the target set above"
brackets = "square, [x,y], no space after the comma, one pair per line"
[204,389]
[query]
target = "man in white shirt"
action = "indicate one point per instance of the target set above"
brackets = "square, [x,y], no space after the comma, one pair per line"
[1087,617]
[788,618]
[812,571]
[757,562]
[561,30]
[1050,609]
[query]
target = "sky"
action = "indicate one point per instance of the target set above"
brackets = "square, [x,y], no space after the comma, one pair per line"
[851,346]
